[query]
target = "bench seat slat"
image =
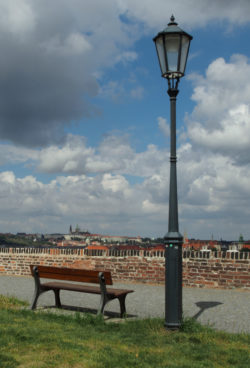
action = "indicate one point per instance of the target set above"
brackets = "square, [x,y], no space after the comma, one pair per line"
[83,288]
[72,287]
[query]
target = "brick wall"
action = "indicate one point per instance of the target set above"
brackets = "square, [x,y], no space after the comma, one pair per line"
[200,269]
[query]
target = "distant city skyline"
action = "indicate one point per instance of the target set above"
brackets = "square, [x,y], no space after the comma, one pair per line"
[77,230]
[84,118]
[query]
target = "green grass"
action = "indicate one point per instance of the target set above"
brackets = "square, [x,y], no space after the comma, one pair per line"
[37,340]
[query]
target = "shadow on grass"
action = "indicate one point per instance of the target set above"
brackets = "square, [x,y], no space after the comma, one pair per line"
[203,306]
[84,310]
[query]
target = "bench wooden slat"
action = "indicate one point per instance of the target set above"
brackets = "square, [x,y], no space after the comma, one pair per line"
[72,274]
[84,288]
[72,287]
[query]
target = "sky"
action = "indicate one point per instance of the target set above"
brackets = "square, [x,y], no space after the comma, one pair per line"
[84,118]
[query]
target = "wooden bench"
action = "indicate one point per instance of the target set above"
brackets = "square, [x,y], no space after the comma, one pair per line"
[81,276]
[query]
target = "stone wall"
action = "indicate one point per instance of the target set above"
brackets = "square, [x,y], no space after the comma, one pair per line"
[200,269]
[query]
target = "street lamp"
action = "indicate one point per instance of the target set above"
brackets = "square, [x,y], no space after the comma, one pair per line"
[172,46]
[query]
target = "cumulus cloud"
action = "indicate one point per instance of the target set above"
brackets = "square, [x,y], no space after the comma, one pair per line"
[164,126]
[213,192]
[48,71]
[127,56]
[28,203]
[10,154]
[113,155]
[221,120]
[214,164]
[213,199]
[112,90]
[223,87]
[137,92]
[206,11]
[231,138]
[48,64]
[74,157]
[69,158]
[17,17]
[213,196]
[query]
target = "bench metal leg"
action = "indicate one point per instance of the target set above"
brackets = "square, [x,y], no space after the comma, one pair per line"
[57,298]
[34,301]
[103,302]
[38,291]
[122,305]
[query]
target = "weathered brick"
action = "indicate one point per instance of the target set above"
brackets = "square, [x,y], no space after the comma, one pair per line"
[198,272]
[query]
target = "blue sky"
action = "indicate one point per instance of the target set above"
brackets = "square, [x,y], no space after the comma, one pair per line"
[84,118]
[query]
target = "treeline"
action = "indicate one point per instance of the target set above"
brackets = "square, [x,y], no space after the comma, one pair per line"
[15,240]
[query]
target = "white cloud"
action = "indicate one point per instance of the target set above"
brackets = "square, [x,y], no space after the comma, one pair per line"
[7,177]
[137,93]
[127,56]
[114,155]
[115,183]
[74,44]
[164,126]
[94,199]
[77,43]
[55,49]
[17,16]
[224,86]
[152,208]
[213,196]
[221,119]
[95,188]
[190,13]
[61,46]
[70,158]
[10,154]
[231,137]
[113,90]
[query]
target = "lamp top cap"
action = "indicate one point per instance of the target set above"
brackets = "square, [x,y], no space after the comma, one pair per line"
[173,28]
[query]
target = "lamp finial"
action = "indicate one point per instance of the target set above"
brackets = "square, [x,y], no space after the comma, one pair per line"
[172,21]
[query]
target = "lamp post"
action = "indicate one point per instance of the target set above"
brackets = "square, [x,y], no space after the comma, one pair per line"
[172,46]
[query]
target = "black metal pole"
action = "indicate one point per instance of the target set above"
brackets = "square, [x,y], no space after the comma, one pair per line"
[173,239]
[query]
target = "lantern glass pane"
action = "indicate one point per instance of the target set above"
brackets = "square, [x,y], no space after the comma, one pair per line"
[184,53]
[161,54]
[172,43]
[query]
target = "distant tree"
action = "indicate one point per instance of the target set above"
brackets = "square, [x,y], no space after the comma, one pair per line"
[15,240]
[212,248]
[146,240]
[76,238]
[159,240]
[241,239]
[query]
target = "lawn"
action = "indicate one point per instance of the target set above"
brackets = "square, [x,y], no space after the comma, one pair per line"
[41,339]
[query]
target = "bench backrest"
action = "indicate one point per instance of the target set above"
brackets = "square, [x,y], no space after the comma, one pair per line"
[72,274]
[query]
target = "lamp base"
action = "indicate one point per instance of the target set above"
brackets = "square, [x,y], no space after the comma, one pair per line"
[173,280]
[172,326]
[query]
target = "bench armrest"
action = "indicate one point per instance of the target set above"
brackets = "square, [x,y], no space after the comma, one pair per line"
[36,276]
[102,283]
